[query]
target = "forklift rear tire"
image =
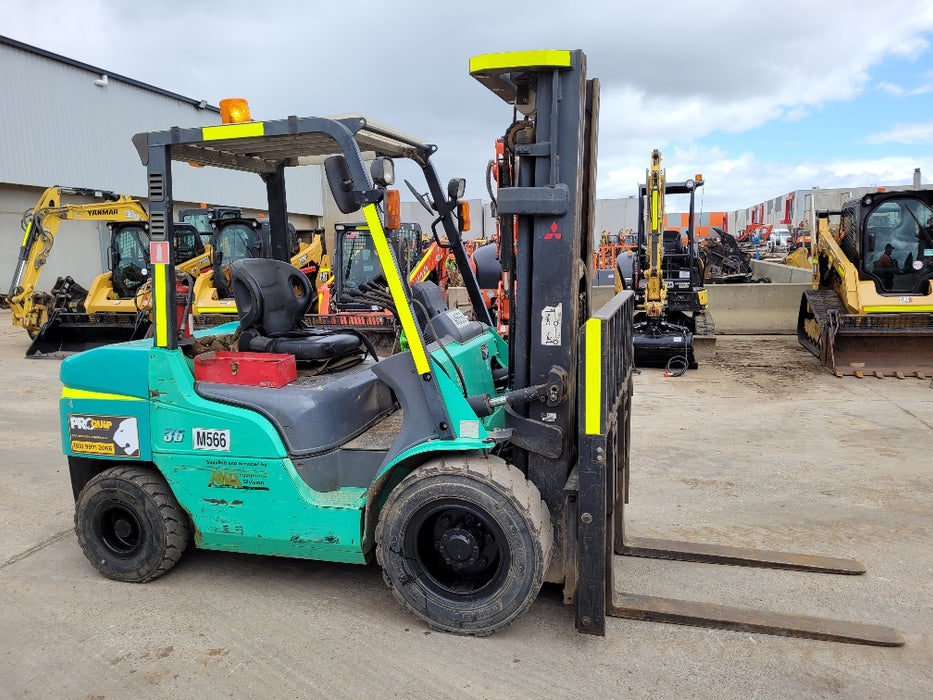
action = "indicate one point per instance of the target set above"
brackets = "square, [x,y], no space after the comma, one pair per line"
[129,524]
[464,542]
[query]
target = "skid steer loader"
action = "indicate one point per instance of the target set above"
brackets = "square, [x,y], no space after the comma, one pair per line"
[870,311]
[472,470]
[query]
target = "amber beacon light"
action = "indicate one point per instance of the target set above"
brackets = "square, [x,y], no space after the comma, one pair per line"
[234,110]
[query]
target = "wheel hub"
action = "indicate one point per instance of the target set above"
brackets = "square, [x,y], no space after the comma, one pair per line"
[120,531]
[459,547]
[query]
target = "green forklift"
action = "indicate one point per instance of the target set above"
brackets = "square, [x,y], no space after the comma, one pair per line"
[473,471]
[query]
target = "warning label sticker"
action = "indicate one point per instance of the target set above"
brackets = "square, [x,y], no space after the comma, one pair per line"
[115,436]
[551,318]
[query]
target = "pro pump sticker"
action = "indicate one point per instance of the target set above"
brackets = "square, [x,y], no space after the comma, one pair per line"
[108,436]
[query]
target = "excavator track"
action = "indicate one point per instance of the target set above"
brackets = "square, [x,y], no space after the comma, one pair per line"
[861,345]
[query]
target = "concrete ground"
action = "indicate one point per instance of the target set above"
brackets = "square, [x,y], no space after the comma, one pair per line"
[758,447]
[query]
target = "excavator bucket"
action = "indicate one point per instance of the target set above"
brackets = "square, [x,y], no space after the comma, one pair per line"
[67,332]
[878,344]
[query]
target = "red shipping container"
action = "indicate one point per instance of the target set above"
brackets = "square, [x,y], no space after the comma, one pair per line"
[250,368]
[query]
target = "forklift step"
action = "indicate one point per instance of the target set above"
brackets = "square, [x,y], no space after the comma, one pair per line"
[737,556]
[681,612]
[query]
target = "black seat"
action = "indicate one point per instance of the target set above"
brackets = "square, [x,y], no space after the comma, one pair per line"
[272,298]
[673,242]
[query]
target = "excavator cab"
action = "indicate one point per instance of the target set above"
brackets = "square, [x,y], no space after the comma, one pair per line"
[188,243]
[129,258]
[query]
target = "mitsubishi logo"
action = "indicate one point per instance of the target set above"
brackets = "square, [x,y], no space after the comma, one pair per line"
[554,233]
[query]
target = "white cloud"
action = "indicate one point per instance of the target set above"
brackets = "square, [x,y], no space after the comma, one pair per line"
[710,68]
[918,133]
[898,91]
[739,181]
[890,88]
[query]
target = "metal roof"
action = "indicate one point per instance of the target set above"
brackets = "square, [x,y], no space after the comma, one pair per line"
[200,104]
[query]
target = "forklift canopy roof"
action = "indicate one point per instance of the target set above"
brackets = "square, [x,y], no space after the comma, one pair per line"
[260,147]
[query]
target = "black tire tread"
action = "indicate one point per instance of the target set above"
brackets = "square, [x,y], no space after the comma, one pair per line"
[175,519]
[509,480]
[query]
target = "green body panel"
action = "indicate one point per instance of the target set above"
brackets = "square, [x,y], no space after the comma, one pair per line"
[475,360]
[246,495]
[115,369]
[107,385]
[176,407]
[261,506]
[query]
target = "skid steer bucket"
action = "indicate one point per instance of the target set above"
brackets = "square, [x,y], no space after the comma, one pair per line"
[67,332]
[596,494]
[877,344]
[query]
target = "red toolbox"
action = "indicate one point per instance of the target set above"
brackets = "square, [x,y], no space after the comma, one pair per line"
[251,368]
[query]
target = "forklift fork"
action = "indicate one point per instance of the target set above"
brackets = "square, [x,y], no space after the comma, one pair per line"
[638,607]
[595,497]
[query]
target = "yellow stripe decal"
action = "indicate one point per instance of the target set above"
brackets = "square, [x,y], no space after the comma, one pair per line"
[390,270]
[233,131]
[81,394]
[904,308]
[218,310]
[654,211]
[161,313]
[520,59]
[594,377]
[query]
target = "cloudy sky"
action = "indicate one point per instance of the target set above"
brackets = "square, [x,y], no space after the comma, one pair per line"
[761,96]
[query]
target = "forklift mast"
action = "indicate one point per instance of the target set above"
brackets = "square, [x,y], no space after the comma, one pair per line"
[551,148]
[575,452]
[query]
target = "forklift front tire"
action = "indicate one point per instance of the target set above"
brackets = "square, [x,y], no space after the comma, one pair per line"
[464,542]
[129,524]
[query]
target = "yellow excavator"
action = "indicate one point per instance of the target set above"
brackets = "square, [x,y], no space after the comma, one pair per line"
[671,304]
[870,311]
[69,317]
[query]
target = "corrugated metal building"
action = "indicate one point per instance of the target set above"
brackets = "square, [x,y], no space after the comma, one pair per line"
[797,209]
[68,123]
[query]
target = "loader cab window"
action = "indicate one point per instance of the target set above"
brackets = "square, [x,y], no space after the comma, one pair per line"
[408,249]
[291,236]
[900,245]
[235,240]
[201,221]
[360,262]
[188,243]
[129,258]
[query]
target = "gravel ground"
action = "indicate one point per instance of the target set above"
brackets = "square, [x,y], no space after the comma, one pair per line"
[757,447]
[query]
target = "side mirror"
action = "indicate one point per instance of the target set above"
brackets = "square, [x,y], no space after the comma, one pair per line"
[456,188]
[341,184]
[383,171]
